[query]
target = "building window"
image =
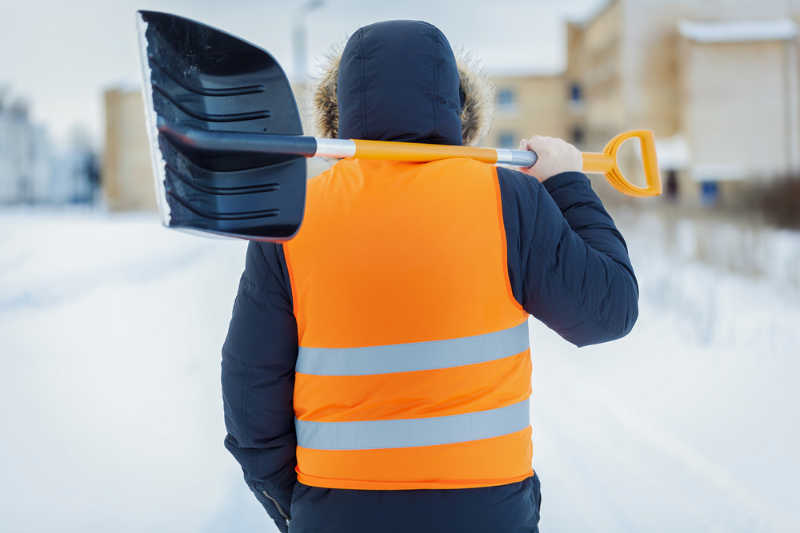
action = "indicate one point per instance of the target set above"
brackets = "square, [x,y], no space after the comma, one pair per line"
[578,135]
[506,100]
[671,185]
[709,193]
[575,92]
[506,139]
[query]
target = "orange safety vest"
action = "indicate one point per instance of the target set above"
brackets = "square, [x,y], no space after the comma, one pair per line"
[414,366]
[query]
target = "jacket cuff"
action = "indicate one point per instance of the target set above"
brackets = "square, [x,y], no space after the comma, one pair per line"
[276,509]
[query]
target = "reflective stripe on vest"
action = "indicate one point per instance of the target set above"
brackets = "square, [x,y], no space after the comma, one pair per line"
[413,356]
[414,366]
[376,434]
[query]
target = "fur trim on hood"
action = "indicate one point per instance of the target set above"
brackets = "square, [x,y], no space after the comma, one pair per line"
[476,113]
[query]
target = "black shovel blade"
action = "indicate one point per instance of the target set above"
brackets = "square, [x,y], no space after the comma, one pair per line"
[198,77]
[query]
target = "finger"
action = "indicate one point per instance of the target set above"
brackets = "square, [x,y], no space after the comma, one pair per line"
[537,141]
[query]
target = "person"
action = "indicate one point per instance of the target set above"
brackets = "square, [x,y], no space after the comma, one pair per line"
[376,373]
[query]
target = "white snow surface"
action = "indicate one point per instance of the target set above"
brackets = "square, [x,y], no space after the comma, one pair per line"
[111,328]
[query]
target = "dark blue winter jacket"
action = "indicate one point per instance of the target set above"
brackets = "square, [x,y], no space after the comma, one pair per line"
[568,266]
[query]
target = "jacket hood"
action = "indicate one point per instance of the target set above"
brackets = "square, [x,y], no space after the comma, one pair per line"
[400,81]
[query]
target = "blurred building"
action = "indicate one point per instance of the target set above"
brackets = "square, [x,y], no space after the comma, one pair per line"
[739,101]
[26,155]
[33,170]
[715,80]
[527,104]
[127,172]
[76,173]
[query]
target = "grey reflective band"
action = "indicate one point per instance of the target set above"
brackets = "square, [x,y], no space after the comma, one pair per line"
[517,158]
[413,356]
[335,148]
[405,433]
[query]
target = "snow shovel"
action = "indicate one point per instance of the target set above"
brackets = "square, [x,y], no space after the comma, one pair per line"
[227,144]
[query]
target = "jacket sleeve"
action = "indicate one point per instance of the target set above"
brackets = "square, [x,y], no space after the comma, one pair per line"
[568,264]
[258,360]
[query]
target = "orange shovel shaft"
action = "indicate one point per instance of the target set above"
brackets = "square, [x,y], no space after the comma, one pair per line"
[400,151]
[597,162]
[604,162]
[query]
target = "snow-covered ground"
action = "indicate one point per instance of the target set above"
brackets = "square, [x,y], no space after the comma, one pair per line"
[110,330]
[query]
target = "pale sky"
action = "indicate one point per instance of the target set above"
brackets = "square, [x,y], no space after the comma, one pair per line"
[59,55]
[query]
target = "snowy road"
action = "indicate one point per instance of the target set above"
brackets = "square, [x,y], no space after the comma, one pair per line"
[110,330]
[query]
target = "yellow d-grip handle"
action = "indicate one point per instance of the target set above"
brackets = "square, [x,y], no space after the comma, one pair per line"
[606,163]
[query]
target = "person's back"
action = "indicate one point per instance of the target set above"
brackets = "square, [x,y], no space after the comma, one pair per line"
[377,369]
